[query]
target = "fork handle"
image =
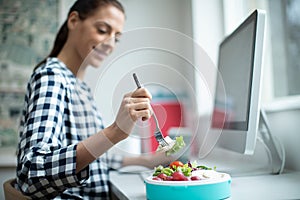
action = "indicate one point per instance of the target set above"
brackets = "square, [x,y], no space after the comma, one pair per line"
[138,84]
[136,81]
[156,121]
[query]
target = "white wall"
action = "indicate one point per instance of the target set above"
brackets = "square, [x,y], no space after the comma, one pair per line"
[208,32]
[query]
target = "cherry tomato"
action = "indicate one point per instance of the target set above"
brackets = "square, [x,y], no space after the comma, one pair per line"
[195,178]
[156,178]
[176,164]
[179,176]
[169,178]
[162,176]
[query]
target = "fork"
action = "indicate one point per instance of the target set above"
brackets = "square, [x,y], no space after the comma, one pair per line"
[157,133]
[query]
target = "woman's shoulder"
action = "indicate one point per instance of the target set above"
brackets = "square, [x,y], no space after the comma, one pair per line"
[53,70]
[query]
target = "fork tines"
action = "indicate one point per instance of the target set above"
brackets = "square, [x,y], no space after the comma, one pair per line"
[159,137]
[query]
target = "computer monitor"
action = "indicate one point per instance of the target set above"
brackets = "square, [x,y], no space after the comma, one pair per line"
[236,109]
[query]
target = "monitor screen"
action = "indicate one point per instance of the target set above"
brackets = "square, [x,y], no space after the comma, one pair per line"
[235,71]
[237,94]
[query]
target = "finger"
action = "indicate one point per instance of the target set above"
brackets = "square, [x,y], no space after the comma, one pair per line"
[135,100]
[129,100]
[141,106]
[127,95]
[139,110]
[142,92]
[140,114]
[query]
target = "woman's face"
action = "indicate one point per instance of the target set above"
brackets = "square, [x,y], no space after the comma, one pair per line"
[94,38]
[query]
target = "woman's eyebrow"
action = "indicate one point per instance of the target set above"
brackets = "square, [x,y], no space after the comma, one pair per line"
[109,27]
[105,24]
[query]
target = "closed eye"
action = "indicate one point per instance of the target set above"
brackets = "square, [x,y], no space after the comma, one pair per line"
[102,31]
[104,28]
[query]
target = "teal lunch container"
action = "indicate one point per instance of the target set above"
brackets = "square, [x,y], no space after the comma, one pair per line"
[210,189]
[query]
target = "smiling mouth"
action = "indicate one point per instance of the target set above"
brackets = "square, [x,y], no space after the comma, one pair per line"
[101,54]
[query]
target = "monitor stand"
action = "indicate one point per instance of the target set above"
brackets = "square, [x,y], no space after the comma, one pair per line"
[267,158]
[277,158]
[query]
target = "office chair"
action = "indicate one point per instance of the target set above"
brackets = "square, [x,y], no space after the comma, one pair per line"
[11,193]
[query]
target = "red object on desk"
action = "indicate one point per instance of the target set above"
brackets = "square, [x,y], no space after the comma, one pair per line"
[169,114]
[218,118]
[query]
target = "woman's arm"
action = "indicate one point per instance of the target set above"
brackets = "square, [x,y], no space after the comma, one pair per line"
[134,106]
[96,145]
[150,161]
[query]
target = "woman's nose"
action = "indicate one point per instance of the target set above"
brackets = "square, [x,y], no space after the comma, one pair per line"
[110,43]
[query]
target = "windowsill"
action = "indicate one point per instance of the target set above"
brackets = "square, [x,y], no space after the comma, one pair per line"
[283,104]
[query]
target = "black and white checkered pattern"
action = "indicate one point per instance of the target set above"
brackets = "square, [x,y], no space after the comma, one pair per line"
[59,112]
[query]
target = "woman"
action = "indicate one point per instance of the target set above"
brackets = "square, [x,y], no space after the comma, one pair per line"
[63,143]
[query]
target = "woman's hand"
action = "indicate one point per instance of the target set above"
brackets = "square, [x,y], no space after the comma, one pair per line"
[134,106]
[150,160]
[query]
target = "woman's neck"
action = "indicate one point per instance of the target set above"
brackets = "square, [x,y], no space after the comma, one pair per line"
[73,64]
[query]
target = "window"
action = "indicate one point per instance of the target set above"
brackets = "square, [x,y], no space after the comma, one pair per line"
[285,33]
[282,50]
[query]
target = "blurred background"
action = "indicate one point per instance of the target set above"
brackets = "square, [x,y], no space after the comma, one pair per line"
[28,28]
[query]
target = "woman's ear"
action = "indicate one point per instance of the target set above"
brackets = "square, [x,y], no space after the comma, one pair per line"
[73,20]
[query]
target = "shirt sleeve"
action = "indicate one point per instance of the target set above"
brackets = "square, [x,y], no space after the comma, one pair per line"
[46,166]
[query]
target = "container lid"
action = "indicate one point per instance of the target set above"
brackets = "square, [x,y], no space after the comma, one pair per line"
[209,177]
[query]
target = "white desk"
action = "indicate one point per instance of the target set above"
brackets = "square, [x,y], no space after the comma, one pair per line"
[265,187]
[283,186]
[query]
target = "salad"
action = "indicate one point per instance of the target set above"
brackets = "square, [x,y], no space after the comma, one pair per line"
[177,171]
[174,145]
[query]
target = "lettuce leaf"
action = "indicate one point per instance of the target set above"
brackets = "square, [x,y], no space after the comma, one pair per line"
[179,144]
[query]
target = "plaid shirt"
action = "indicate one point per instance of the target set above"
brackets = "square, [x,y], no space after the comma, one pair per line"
[59,112]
